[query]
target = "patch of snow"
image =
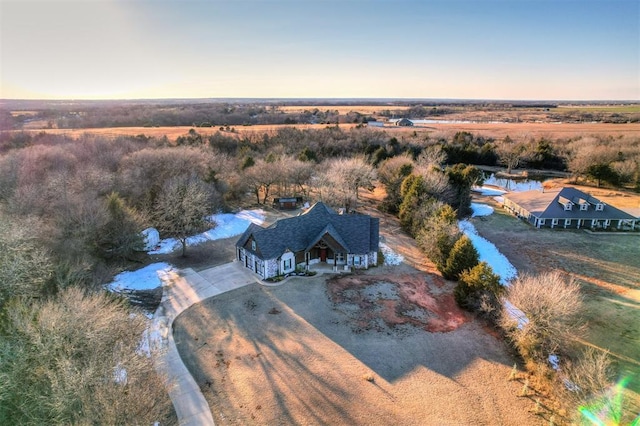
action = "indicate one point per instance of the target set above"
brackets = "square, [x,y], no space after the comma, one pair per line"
[255,216]
[146,278]
[390,256]
[227,225]
[486,190]
[120,374]
[570,385]
[554,360]
[151,238]
[481,209]
[515,313]
[489,253]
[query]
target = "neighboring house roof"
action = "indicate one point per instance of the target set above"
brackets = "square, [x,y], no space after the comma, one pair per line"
[550,205]
[356,233]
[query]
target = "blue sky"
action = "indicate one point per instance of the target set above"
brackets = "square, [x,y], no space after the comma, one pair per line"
[470,49]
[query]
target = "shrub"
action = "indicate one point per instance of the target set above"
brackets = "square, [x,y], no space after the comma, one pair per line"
[75,360]
[463,256]
[552,306]
[478,289]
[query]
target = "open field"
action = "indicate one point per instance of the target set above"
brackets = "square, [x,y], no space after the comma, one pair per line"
[606,266]
[495,130]
[342,109]
[309,352]
[620,109]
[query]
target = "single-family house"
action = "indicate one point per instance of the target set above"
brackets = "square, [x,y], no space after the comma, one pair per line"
[567,208]
[320,235]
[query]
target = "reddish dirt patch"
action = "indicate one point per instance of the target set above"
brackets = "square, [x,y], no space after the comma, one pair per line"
[413,299]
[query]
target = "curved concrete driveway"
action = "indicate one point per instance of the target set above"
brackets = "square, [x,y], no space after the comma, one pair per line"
[181,290]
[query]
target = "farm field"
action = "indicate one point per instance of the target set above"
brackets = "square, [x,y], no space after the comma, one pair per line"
[342,109]
[495,130]
[606,266]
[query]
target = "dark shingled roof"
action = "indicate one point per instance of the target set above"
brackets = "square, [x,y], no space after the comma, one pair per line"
[358,234]
[546,205]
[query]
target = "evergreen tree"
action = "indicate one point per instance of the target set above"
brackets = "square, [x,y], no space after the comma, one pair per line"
[120,236]
[477,283]
[463,256]
[412,191]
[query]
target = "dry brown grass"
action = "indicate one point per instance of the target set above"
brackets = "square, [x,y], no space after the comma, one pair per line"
[494,130]
[524,131]
[342,109]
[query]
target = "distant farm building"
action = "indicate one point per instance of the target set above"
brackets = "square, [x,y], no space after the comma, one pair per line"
[405,122]
[567,208]
[375,123]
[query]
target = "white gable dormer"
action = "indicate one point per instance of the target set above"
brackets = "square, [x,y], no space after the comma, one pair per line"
[599,207]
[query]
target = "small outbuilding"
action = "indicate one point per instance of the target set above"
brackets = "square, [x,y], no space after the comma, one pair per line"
[405,122]
[287,203]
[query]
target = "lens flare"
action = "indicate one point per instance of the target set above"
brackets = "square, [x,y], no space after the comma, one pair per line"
[606,410]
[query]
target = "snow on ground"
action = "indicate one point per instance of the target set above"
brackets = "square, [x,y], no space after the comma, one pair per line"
[515,313]
[227,225]
[489,253]
[481,209]
[146,278]
[390,256]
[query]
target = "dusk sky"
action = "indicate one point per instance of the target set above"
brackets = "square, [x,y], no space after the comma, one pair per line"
[477,49]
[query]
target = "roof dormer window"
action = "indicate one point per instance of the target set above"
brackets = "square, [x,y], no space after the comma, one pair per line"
[599,207]
[568,206]
[253,245]
[584,206]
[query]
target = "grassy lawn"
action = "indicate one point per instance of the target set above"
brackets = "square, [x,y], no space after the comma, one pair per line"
[606,266]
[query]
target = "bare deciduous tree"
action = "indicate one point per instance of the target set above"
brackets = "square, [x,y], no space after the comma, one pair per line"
[591,374]
[510,153]
[552,305]
[75,360]
[25,267]
[342,179]
[182,207]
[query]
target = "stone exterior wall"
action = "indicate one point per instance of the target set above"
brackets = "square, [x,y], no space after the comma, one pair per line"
[271,268]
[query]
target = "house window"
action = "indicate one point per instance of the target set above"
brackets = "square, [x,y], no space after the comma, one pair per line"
[584,206]
[599,207]
[542,221]
[340,257]
[356,260]
[287,264]
[554,222]
[568,206]
[607,222]
[253,245]
[567,222]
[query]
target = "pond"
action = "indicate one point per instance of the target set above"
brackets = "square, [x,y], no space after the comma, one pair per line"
[515,185]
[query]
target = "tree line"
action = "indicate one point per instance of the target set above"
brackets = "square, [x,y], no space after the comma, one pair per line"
[71,212]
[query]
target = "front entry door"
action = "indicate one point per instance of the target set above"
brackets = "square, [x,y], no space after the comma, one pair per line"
[323,255]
